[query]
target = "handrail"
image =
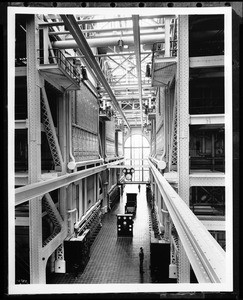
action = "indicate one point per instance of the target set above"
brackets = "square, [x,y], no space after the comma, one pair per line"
[63,62]
[158,163]
[204,253]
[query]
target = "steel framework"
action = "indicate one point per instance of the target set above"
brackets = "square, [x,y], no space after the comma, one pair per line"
[204,253]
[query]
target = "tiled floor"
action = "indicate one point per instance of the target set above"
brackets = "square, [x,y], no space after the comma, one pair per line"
[115,259]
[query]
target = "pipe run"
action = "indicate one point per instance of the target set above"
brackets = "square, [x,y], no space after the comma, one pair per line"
[111,41]
[73,165]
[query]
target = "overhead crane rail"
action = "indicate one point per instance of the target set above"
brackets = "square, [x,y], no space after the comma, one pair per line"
[71,23]
[206,256]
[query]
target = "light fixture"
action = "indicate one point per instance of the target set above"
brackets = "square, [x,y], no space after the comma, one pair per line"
[128,173]
[120,44]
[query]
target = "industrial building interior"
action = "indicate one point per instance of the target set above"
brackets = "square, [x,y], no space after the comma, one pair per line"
[104,104]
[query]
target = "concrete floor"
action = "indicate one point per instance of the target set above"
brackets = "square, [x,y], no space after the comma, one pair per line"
[115,259]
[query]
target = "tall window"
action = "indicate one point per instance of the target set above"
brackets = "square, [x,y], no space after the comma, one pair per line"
[136,152]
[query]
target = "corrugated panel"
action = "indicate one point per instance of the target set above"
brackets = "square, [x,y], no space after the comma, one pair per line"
[110,129]
[85,145]
[110,148]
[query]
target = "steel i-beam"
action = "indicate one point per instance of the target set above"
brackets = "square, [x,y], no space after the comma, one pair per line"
[72,25]
[136,32]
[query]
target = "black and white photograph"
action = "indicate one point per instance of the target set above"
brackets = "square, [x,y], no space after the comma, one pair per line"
[120,148]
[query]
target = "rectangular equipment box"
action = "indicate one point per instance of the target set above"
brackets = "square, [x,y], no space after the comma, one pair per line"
[132,198]
[160,262]
[131,204]
[125,225]
[77,252]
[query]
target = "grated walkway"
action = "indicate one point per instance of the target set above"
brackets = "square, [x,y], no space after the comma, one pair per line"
[115,259]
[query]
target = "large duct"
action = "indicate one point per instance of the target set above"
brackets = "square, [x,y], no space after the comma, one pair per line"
[111,41]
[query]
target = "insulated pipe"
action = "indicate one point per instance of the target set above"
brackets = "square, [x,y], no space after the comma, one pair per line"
[111,41]
[72,25]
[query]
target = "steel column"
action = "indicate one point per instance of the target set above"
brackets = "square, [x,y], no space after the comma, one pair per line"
[37,265]
[62,132]
[167,36]
[71,23]
[183,130]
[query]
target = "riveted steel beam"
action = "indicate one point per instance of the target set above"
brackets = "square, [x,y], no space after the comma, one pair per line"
[183,127]
[136,32]
[72,25]
[206,256]
[93,21]
[37,189]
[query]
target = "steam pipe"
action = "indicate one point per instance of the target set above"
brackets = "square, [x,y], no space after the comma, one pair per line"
[111,41]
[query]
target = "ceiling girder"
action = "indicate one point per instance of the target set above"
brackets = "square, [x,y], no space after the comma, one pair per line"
[93,21]
[136,32]
[109,29]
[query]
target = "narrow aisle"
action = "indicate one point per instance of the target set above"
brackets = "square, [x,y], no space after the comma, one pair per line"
[116,259]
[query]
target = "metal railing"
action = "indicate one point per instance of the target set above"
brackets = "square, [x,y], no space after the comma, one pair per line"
[159,48]
[206,256]
[57,57]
